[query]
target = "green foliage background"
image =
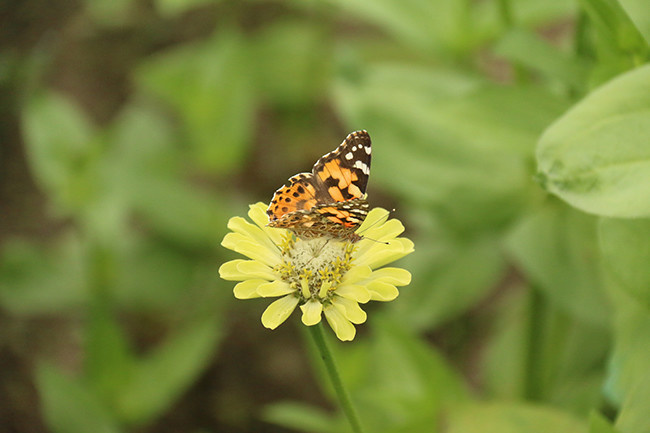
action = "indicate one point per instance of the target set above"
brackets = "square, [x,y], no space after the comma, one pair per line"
[512,138]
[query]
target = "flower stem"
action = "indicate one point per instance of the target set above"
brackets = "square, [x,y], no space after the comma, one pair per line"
[344,399]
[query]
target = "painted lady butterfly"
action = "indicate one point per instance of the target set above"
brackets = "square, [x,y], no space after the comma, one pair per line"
[330,201]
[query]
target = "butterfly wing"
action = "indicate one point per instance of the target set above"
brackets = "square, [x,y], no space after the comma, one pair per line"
[338,176]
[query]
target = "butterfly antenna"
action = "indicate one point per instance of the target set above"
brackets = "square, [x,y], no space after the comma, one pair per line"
[379,221]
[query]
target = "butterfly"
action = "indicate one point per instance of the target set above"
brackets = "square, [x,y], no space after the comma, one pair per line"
[329,202]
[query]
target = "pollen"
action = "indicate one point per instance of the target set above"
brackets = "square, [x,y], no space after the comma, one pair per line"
[315,266]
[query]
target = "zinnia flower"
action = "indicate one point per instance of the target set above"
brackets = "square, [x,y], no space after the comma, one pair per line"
[318,275]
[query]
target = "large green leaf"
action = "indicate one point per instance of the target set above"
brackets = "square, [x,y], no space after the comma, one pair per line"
[442,288]
[596,157]
[557,250]
[625,246]
[62,150]
[512,418]
[209,86]
[629,379]
[159,378]
[69,406]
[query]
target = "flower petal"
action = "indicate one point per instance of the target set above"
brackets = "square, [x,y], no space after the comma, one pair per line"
[255,269]
[248,289]
[253,232]
[257,214]
[243,245]
[394,276]
[380,254]
[342,327]
[311,312]
[279,311]
[356,274]
[274,288]
[376,217]
[380,291]
[350,309]
[355,292]
[228,271]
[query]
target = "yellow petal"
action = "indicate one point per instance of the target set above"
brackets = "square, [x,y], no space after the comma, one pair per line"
[279,311]
[380,254]
[356,274]
[342,327]
[355,292]
[253,232]
[228,271]
[383,232]
[274,288]
[243,245]
[376,217]
[255,269]
[248,289]
[350,309]
[311,312]
[380,291]
[394,276]
[257,214]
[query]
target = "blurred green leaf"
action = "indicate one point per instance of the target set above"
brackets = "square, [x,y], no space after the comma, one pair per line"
[68,406]
[163,375]
[625,246]
[108,360]
[615,26]
[292,62]
[442,288]
[174,7]
[557,249]
[527,49]
[639,13]
[407,382]
[598,424]
[596,156]
[34,279]
[62,150]
[299,417]
[512,418]
[209,86]
[629,379]
[458,152]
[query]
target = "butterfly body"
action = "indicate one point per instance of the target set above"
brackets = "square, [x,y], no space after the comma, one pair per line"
[330,201]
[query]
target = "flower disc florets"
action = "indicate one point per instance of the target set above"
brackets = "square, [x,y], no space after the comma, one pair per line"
[320,275]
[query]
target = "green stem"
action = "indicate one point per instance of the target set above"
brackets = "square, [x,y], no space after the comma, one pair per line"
[344,399]
[533,365]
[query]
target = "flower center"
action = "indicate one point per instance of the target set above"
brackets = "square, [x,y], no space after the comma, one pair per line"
[314,266]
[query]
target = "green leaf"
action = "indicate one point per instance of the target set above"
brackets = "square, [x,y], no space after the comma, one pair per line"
[527,49]
[68,406]
[407,383]
[639,13]
[38,280]
[615,27]
[629,378]
[61,149]
[625,246]
[599,424]
[108,361]
[442,288]
[299,416]
[303,73]
[512,418]
[557,249]
[177,7]
[596,157]
[163,375]
[209,85]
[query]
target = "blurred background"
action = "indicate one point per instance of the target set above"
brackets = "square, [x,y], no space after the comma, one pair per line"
[131,130]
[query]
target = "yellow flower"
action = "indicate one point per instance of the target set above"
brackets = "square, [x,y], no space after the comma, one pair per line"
[318,275]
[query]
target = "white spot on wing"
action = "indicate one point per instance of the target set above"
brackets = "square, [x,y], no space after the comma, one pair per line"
[362,166]
[349,156]
[367,148]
